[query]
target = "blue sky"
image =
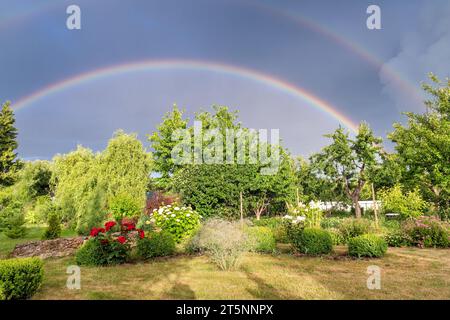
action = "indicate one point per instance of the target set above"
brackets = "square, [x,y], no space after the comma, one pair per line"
[268,37]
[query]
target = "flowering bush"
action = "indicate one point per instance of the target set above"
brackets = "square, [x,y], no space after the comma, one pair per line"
[313,216]
[427,232]
[180,222]
[108,245]
[293,225]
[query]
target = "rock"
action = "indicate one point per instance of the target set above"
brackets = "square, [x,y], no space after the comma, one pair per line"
[48,248]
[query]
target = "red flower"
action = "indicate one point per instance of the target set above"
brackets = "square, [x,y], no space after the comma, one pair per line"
[94,232]
[141,233]
[109,225]
[121,239]
[129,226]
[102,230]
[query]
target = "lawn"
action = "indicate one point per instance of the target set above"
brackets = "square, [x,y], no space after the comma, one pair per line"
[407,273]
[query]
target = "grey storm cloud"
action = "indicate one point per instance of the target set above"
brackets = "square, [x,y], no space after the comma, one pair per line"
[423,50]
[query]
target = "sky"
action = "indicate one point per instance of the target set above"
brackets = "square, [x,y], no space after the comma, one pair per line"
[303,67]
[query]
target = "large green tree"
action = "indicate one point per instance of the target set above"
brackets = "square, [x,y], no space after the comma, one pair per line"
[423,146]
[348,161]
[9,164]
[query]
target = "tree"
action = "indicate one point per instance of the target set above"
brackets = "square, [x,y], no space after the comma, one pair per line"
[163,143]
[9,164]
[347,161]
[423,146]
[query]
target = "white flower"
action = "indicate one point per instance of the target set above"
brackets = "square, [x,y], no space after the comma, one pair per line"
[188,215]
[172,215]
[176,208]
[161,210]
[152,220]
[178,220]
[168,206]
[287,217]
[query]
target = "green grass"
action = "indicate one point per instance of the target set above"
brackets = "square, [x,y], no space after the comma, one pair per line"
[407,273]
[33,233]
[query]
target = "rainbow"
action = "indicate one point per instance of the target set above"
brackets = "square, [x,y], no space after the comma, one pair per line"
[156,65]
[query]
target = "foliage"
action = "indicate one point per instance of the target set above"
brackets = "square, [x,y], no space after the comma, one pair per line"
[20,278]
[276,225]
[397,238]
[409,205]
[427,232]
[9,165]
[124,168]
[347,161]
[312,241]
[34,180]
[94,212]
[53,230]
[223,241]
[261,239]
[350,228]
[336,236]
[331,222]
[40,210]
[159,199]
[367,245]
[180,222]
[13,220]
[313,215]
[156,244]
[109,245]
[423,146]
[124,205]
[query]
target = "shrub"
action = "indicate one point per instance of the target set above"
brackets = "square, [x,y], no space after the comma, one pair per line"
[409,204]
[53,230]
[20,278]
[180,222]
[108,245]
[367,245]
[40,210]
[157,244]
[223,241]
[93,211]
[124,205]
[397,238]
[336,236]
[351,227]
[13,220]
[261,239]
[312,241]
[276,225]
[427,232]
[313,216]
[331,222]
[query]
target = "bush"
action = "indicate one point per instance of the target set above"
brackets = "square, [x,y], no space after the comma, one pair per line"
[158,244]
[409,204]
[336,236]
[223,241]
[20,278]
[261,239]
[276,225]
[313,216]
[53,230]
[180,222]
[367,245]
[332,222]
[124,205]
[96,252]
[351,227]
[427,232]
[40,210]
[13,220]
[312,241]
[397,238]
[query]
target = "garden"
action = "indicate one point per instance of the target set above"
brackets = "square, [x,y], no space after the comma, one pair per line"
[126,223]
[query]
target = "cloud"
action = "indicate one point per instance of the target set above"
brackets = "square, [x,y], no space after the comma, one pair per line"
[423,50]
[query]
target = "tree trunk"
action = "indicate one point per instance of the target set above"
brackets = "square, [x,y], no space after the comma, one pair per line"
[357,207]
[375,206]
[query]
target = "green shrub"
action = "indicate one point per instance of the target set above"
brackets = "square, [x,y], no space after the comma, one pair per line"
[53,230]
[409,205]
[180,222]
[98,252]
[157,244]
[367,245]
[124,205]
[223,241]
[397,238]
[20,278]
[276,225]
[427,232]
[94,212]
[312,241]
[351,227]
[40,210]
[261,239]
[13,220]
[331,222]
[336,236]
[313,216]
